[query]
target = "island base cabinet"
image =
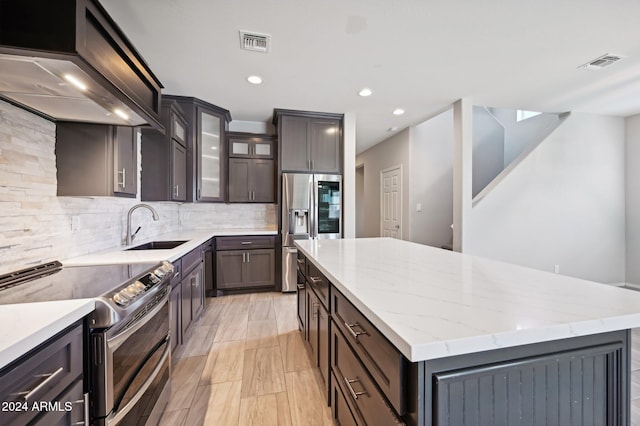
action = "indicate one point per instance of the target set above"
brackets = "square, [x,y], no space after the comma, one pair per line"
[318,337]
[571,382]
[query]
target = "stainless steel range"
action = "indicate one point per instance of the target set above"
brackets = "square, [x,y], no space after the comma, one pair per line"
[128,354]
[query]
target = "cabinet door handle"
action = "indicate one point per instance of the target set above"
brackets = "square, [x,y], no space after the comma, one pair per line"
[300,287]
[353,393]
[123,172]
[27,395]
[355,333]
[315,280]
[177,191]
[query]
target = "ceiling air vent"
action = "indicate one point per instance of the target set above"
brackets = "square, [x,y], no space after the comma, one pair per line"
[601,62]
[254,41]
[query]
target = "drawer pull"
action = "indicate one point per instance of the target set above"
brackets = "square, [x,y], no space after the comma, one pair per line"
[27,395]
[315,280]
[353,393]
[355,333]
[246,243]
[300,287]
[300,261]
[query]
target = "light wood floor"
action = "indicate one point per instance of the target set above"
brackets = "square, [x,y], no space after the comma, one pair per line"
[245,364]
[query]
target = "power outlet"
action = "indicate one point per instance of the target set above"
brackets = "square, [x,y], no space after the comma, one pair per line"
[556,269]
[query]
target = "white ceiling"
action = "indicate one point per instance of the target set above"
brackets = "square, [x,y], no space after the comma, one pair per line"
[419,55]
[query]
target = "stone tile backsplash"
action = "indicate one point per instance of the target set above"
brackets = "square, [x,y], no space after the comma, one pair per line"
[38,226]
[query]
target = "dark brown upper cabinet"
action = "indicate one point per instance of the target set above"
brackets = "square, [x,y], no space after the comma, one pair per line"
[252,169]
[207,125]
[96,160]
[309,141]
[251,145]
[68,60]
[164,157]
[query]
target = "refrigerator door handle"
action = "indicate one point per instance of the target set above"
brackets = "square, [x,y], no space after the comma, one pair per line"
[313,231]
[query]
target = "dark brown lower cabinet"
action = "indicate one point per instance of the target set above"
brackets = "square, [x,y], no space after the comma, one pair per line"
[245,262]
[339,407]
[192,296]
[318,336]
[186,302]
[50,374]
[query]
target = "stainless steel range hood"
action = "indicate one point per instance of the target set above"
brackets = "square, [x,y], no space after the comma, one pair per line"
[67,60]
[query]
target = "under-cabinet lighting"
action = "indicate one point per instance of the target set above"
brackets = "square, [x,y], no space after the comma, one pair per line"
[77,83]
[120,113]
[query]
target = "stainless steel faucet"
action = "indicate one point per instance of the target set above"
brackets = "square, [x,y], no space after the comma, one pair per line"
[130,237]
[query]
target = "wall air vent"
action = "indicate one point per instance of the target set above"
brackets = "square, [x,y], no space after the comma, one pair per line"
[601,62]
[254,41]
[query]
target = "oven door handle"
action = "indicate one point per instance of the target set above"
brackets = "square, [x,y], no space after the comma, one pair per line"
[117,340]
[121,412]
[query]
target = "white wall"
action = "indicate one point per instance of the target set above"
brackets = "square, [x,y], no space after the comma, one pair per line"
[632,157]
[564,204]
[431,181]
[389,153]
[36,225]
[488,148]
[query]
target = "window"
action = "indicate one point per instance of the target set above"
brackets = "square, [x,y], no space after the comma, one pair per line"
[522,114]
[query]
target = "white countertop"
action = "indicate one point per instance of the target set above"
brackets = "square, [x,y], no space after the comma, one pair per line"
[24,326]
[433,303]
[194,238]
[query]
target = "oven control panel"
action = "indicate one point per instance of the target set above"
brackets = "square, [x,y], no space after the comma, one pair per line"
[132,291]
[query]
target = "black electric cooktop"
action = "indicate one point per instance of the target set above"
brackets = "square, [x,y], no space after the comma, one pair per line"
[65,283]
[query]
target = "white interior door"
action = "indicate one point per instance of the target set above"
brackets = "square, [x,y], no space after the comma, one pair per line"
[391,202]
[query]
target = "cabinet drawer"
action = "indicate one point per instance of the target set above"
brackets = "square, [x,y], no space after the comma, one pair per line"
[245,242]
[319,283]
[342,414]
[357,386]
[383,361]
[43,375]
[191,259]
[301,261]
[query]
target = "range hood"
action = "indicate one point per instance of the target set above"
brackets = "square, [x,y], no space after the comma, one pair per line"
[67,60]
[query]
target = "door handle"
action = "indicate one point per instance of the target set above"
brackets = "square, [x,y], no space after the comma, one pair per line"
[123,172]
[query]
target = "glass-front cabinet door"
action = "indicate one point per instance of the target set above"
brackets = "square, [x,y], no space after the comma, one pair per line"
[211,155]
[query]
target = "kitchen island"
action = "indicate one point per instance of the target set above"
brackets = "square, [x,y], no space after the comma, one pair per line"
[477,341]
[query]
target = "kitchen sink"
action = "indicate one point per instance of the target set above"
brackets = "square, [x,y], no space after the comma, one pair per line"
[158,245]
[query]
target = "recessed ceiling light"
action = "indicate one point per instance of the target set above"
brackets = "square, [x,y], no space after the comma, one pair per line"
[392,129]
[254,79]
[120,113]
[365,92]
[77,83]
[398,111]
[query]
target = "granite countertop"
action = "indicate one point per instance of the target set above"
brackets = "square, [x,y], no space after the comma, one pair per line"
[433,303]
[26,325]
[194,239]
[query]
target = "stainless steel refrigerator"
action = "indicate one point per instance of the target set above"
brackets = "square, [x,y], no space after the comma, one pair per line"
[311,209]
